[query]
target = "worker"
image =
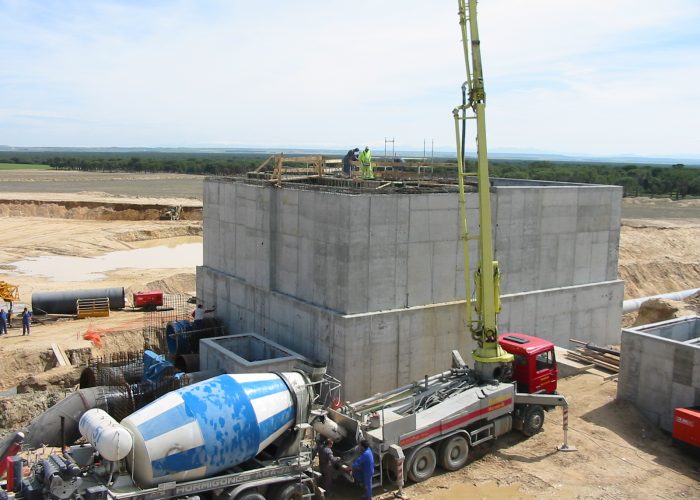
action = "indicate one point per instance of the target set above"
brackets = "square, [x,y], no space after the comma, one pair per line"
[328,463]
[198,316]
[9,316]
[363,468]
[366,163]
[26,321]
[3,322]
[349,157]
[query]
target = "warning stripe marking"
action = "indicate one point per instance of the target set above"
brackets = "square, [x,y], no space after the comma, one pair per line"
[442,427]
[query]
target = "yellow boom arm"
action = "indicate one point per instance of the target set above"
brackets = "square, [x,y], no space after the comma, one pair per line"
[484,328]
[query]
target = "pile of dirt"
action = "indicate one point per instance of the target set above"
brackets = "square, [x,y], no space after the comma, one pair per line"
[658,257]
[30,362]
[655,310]
[181,283]
[164,231]
[18,410]
[65,377]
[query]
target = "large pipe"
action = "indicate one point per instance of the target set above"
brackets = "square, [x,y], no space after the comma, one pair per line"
[46,428]
[634,304]
[111,375]
[65,302]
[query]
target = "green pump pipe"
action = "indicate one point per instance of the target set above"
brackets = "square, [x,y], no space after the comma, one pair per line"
[463,216]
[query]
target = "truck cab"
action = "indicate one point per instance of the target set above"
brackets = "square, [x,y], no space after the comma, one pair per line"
[534,366]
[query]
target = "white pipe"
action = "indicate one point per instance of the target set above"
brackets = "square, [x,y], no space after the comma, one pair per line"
[634,304]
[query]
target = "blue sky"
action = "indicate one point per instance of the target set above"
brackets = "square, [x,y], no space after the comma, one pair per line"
[598,77]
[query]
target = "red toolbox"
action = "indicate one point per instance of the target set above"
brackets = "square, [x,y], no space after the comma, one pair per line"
[686,425]
[148,299]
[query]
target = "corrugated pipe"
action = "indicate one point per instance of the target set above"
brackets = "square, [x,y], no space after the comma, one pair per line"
[47,428]
[634,304]
[65,302]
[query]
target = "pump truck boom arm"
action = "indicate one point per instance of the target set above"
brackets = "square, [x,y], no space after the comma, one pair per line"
[490,358]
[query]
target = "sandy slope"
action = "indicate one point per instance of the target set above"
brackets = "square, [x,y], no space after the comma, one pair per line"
[662,254]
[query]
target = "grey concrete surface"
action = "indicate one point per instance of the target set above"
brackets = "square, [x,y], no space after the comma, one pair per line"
[660,368]
[246,353]
[374,283]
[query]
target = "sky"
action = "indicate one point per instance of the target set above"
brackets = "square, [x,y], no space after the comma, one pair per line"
[594,77]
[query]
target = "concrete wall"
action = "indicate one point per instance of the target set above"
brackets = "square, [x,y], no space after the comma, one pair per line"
[364,252]
[372,352]
[550,237]
[658,373]
[374,283]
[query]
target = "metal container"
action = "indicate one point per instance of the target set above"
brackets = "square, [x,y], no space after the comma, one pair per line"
[211,426]
[104,433]
[65,302]
[146,299]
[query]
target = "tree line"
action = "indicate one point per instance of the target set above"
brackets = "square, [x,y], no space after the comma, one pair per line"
[637,180]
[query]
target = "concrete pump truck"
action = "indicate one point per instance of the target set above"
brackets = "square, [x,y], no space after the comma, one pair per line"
[435,421]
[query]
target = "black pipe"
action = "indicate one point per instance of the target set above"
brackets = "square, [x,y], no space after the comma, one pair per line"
[65,302]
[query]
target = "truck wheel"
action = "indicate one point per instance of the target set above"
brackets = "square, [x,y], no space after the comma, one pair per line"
[453,453]
[422,465]
[389,464]
[533,420]
[291,491]
[250,495]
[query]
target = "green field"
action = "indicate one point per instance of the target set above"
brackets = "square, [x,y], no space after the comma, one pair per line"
[23,166]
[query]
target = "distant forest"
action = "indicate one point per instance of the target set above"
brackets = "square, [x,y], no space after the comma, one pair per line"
[677,181]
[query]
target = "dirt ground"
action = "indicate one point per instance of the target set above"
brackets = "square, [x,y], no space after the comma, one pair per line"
[619,454]
[659,255]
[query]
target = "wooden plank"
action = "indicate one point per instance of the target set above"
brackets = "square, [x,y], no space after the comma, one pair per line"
[65,356]
[262,165]
[59,356]
[301,159]
[586,359]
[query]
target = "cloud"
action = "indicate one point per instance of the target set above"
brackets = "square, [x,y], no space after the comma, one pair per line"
[173,73]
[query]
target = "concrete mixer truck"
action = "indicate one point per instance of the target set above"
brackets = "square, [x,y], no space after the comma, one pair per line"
[244,436]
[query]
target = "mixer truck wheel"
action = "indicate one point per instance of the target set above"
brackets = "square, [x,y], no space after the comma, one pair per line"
[291,491]
[251,495]
[422,464]
[533,419]
[453,453]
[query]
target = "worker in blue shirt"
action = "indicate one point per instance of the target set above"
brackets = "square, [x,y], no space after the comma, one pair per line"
[363,468]
[3,322]
[350,157]
[26,321]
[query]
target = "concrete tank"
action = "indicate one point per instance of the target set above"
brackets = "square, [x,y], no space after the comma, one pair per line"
[211,426]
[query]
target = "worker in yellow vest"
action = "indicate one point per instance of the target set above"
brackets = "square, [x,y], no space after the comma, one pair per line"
[366,164]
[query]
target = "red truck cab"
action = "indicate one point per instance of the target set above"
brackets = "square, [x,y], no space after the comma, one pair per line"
[535,366]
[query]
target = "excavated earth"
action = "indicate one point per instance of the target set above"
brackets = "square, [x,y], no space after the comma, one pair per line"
[620,455]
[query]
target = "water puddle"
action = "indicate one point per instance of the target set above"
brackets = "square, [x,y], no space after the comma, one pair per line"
[63,268]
